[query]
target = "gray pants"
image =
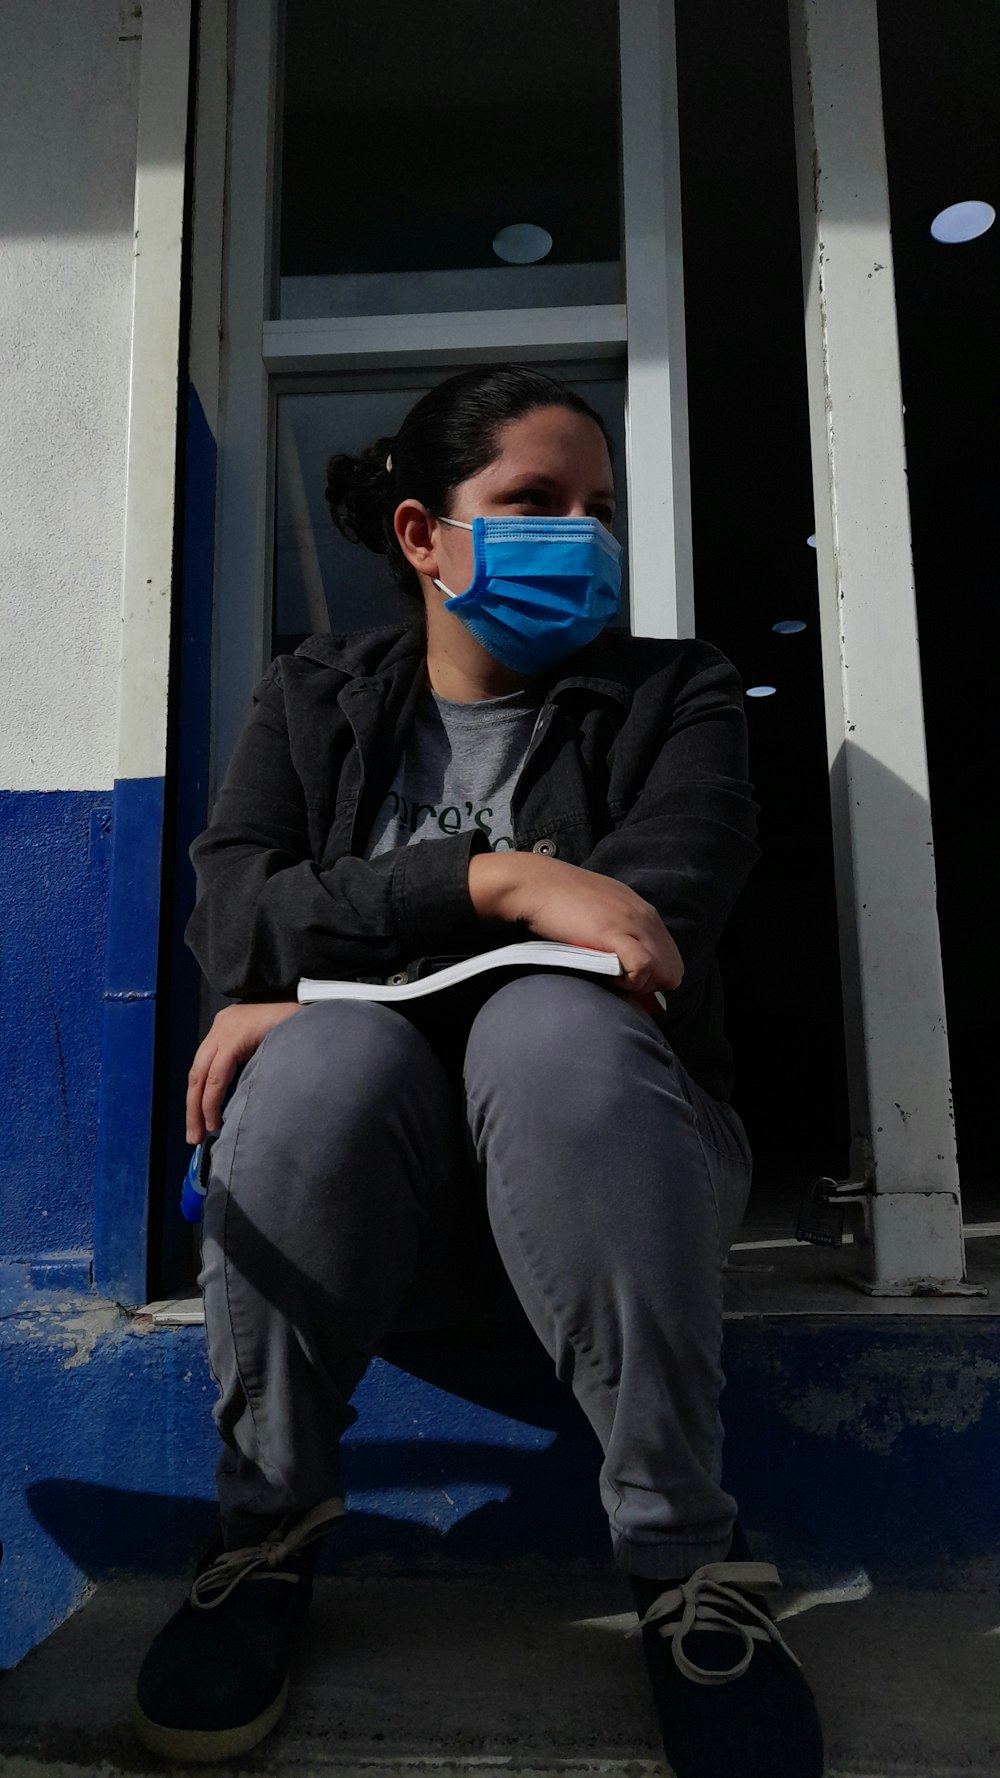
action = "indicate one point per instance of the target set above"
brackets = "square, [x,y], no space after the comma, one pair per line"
[346,1186]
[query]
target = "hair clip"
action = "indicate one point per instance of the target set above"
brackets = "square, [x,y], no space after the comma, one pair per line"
[388,463]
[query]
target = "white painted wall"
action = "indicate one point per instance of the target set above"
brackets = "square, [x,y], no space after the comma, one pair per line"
[69,83]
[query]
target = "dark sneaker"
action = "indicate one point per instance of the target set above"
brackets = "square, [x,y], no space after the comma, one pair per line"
[215,1679]
[730,1695]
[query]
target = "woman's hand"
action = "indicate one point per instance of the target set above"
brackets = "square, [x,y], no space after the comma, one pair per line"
[236,1032]
[578,907]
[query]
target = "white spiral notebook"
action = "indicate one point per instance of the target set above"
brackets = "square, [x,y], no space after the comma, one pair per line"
[532,953]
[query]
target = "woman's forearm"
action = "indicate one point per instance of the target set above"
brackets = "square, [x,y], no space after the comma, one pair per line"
[574,906]
[498,882]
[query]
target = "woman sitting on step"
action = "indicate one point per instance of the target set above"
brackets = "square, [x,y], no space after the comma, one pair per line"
[575,1133]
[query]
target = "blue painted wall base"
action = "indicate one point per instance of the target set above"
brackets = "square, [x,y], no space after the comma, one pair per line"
[128,1033]
[55,852]
[871,1442]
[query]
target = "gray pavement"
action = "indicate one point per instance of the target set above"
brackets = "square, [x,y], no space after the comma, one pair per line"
[515,1674]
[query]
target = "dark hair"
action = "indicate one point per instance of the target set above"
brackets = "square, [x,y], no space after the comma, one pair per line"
[451,434]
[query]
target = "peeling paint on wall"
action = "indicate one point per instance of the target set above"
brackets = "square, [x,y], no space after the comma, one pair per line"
[890,1392]
[70,1323]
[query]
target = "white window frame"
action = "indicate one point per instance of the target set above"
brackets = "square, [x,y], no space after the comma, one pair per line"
[646,331]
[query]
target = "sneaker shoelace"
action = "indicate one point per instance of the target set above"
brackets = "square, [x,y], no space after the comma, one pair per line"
[713,1599]
[260,1561]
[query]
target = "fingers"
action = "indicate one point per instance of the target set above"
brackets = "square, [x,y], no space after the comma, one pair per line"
[193,1111]
[211,1071]
[646,956]
[194,1131]
[649,961]
[666,967]
[220,1073]
[636,962]
[237,1031]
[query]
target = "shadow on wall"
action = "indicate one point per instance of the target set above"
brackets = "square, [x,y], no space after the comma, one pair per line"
[79,70]
[467,1448]
[436,1505]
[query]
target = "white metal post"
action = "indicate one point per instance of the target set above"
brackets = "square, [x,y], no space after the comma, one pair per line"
[902,1120]
[660,557]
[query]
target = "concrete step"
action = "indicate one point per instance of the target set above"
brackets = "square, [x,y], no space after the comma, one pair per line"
[514,1674]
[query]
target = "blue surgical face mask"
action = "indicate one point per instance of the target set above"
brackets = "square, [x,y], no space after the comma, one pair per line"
[540,589]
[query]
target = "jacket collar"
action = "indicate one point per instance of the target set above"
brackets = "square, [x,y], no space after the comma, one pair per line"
[389,658]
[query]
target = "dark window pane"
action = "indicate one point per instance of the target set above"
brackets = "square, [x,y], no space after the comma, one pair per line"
[320,580]
[411,135]
[752,511]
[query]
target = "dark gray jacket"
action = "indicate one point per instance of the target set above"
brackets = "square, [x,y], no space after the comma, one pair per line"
[637,769]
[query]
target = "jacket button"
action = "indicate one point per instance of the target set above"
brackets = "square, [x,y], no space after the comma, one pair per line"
[397,981]
[547,848]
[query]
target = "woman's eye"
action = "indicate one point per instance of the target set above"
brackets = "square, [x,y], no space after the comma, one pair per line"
[540,497]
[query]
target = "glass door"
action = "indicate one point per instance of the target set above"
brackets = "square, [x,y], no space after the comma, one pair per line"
[413,191]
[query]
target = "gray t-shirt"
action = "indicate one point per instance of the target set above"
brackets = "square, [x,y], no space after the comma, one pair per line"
[458,770]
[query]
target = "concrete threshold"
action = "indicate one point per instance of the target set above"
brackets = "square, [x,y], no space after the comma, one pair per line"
[524,1676]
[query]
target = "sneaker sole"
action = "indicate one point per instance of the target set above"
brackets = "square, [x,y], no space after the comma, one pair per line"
[203,1746]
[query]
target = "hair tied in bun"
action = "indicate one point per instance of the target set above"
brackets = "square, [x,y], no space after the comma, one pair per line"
[452,433]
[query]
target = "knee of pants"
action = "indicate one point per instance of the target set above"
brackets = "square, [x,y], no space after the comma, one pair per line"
[330,1135]
[554,1047]
[334,1066]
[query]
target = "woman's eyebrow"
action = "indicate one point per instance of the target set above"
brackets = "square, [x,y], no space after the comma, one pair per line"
[538,478]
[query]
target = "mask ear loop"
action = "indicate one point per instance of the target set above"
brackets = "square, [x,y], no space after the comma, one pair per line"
[459,525]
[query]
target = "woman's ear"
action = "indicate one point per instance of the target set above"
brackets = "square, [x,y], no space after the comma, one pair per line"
[415,528]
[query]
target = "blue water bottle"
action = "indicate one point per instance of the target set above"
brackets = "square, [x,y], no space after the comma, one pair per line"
[196,1181]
